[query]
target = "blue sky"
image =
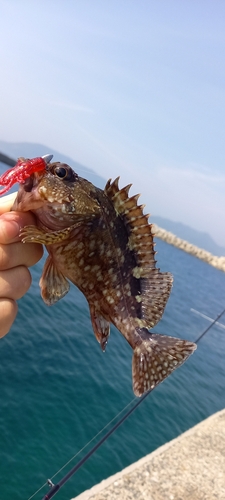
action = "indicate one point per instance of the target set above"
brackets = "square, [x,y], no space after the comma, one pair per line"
[134,88]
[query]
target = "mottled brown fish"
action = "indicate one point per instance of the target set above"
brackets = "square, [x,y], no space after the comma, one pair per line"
[102,242]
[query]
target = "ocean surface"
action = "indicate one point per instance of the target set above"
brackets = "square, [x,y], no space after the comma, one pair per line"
[58,390]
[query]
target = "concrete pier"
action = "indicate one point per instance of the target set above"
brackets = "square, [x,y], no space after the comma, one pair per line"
[190,467]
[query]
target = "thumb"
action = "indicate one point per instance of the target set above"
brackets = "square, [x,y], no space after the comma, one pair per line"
[6,202]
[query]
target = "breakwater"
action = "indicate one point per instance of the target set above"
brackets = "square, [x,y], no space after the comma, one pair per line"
[172,239]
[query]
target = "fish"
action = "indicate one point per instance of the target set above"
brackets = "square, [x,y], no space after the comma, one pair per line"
[103,243]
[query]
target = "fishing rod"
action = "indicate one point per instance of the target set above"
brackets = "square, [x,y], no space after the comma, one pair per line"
[55,487]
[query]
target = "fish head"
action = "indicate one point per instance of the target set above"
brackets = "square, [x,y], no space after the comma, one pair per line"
[57,196]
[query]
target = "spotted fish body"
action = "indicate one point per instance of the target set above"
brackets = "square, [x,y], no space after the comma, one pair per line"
[102,242]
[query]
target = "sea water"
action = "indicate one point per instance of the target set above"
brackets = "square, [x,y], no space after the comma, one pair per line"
[58,390]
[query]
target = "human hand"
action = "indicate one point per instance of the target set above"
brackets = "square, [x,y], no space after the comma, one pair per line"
[15,258]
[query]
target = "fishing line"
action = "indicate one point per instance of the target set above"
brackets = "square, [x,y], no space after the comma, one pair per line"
[55,487]
[85,446]
[210,326]
[207,317]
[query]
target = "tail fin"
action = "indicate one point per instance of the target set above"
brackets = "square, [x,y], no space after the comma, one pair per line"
[155,358]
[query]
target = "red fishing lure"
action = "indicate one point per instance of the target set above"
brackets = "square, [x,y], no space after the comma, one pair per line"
[22,170]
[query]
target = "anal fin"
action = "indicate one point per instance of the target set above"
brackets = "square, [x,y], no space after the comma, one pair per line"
[100,326]
[52,283]
[155,358]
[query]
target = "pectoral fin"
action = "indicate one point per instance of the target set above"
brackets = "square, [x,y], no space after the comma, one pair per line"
[100,326]
[53,284]
[34,234]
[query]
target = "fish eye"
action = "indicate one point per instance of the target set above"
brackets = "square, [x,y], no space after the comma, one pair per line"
[61,172]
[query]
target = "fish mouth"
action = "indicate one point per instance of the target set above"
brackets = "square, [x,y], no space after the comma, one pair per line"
[28,197]
[29,184]
[33,180]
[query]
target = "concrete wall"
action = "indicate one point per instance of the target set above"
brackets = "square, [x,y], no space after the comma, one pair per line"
[190,467]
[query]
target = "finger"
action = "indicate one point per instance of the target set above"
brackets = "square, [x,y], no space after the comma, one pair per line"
[19,254]
[8,312]
[14,283]
[6,202]
[11,223]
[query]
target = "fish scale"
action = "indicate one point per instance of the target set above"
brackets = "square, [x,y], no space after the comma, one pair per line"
[102,242]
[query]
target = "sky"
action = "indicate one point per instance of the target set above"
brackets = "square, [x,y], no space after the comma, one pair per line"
[134,88]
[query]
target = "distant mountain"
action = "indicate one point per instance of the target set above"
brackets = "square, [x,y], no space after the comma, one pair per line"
[30,150]
[198,238]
